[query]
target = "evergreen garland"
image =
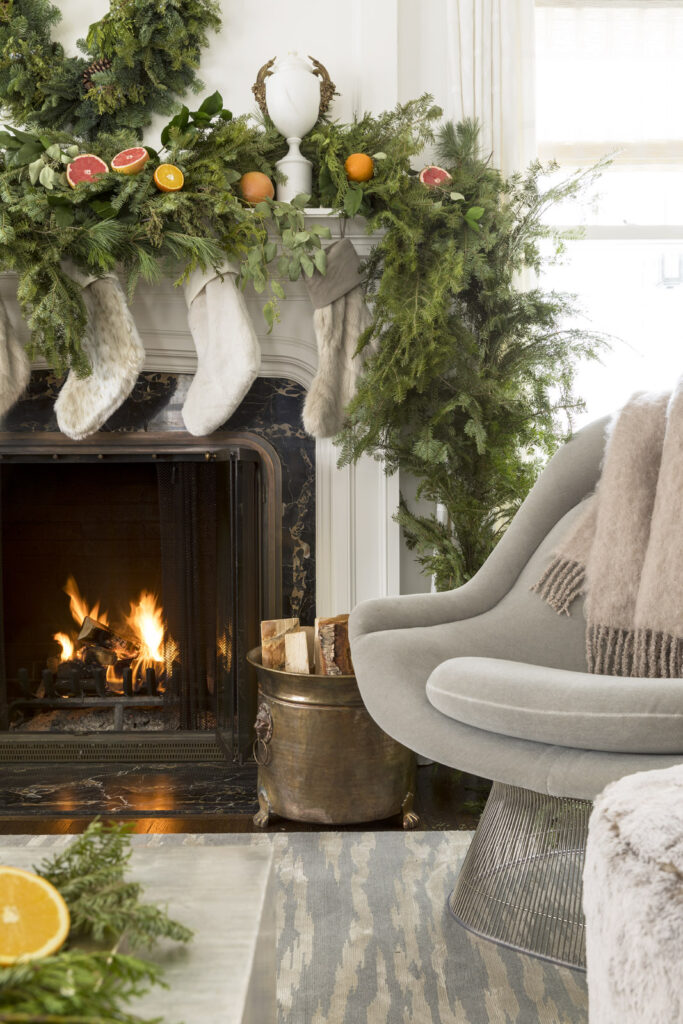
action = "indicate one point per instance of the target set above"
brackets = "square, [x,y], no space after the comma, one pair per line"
[124,222]
[468,385]
[77,986]
[137,61]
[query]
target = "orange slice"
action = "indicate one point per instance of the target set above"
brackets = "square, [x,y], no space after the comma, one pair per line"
[34,919]
[130,161]
[168,178]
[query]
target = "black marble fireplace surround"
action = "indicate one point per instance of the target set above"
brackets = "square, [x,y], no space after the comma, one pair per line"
[50,501]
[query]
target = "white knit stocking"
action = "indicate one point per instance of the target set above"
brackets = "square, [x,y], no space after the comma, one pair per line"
[228,352]
[15,369]
[116,354]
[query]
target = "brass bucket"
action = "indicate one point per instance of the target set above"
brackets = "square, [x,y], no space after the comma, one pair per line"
[321,757]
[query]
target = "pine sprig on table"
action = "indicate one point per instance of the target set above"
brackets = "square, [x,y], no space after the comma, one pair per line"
[90,875]
[85,986]
[75,988]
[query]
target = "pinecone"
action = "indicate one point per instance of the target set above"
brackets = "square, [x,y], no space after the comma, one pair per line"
[93,69]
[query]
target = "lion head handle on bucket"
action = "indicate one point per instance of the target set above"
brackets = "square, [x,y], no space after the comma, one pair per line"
[263,727]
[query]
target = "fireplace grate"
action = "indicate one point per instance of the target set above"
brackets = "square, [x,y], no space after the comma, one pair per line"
[172,747]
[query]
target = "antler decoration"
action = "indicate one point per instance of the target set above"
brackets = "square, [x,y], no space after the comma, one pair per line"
[327,87]
[259,86]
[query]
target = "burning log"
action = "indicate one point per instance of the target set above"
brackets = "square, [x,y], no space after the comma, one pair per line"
[108,645]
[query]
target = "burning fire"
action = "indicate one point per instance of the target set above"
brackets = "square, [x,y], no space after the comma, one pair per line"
[146,619]
[78,607]
[67,645]
[145,622]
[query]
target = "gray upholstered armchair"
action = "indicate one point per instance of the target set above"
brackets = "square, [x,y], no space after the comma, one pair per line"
[489,679]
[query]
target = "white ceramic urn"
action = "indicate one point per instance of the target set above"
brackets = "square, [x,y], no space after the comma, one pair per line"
[293,101]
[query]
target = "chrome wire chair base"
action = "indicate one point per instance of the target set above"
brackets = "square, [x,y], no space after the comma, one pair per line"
[521,883]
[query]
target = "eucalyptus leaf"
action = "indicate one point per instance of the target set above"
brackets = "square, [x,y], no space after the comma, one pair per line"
[212,104]
[320,260]
[54,151]
[301,201]
[27,153]
[277,289]
[353,200]
[456,195]
[47,177]
[294,269]
[379,156]
[34,169]
[307,264]
[8,141]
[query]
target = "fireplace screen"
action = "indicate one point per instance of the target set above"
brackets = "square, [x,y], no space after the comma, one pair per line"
[131,589]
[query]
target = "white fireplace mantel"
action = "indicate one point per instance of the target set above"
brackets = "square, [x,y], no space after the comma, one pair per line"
[357,541]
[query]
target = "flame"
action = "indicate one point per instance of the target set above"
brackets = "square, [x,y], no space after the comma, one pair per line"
[146,619]
[79,606]
[67,645]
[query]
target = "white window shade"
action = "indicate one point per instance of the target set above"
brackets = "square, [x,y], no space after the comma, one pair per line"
[612,80]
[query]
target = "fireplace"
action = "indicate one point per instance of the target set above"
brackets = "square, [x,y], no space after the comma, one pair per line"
[136,567]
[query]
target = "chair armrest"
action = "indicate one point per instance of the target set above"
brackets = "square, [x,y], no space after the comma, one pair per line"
[569,476]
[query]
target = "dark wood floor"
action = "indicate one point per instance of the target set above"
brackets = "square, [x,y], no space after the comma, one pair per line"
[445,800]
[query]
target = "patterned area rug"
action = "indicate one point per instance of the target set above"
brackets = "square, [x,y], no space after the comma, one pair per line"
[365,935]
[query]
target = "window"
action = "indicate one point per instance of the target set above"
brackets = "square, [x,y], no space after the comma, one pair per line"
[610,80]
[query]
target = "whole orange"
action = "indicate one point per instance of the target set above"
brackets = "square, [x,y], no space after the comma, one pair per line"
[255,187]
[359,167]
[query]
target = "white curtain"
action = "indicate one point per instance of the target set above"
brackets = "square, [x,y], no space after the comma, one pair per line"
[490,74]
[477,59]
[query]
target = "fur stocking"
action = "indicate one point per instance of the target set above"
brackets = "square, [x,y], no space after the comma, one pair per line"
[116,354]
[15,369]
[228,352]
[337,329]
[340,318]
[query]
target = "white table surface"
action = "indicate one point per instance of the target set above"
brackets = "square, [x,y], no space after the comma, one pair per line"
[226,894]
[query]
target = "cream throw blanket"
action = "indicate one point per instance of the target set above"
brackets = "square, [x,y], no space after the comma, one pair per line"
[626,551]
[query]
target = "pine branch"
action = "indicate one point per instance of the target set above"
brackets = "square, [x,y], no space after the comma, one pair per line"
[104,906]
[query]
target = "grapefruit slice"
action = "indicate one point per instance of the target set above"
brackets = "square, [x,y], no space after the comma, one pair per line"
[432,175]
[130,161]
[34,919]
[85,167]
[169,178]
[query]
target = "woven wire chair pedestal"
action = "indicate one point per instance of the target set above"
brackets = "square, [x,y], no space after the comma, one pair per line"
[521,883]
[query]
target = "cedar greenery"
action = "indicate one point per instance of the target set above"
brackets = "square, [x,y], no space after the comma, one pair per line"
[90,986]
[468,381]
[148,52]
